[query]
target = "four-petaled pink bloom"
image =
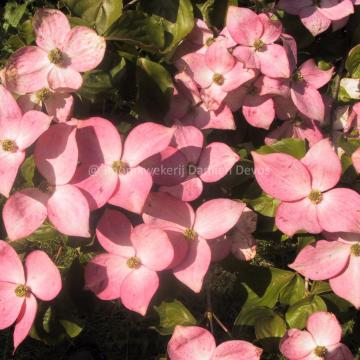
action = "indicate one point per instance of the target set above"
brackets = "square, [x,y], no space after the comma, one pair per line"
[320,340]
[256,36]
[18,131]
[193,342]
[129,270]
[190,231]
[305,188]
[337,260]
[110,168]
[58,59]
[20,286]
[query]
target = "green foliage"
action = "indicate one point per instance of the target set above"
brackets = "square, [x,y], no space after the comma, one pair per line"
[352,63]
[293,147]
[172,314]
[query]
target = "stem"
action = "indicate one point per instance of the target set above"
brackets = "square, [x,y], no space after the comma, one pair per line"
[221,324]
[209,311]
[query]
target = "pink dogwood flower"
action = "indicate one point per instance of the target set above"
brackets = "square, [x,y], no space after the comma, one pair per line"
[193,342]
[128,271]
[239,241]
[63,203]
[18,131]
[320,340]
[217,71]
[58,59]
[317,16]
[337,260]
[305,188]
[302,87]
[57,104]
[110,169]
[256,35]
[190,231]
[21,286]
[206,164]
[188,106]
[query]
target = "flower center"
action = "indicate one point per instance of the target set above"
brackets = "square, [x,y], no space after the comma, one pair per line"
[297,76]
[9,145]
[55,56]
[46,188]
[210,41]
[316,197]
[355,249]
[119,167]
[22,291]
[258,45]
[190,234]
[42,94]
[133,262]
[320,351]
[218,79]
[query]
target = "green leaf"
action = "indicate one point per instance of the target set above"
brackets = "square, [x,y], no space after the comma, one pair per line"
[270,327]
[155,88]
[139,29]
[293,147]
[251,314]
[100,13]
[293,292]
[352,63]
[176,16]
[297,314]
[172,314]
[95,83]
[14,12]
[27,171]
[71,328]
[320,287]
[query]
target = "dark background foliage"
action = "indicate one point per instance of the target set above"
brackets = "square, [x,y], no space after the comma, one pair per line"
[256,301]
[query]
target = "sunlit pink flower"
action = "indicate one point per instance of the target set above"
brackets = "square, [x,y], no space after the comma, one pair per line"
[189,106]
[193,342]
[57,104]
[217,72]
[190,231]
[20,286]
[129,270]
[56,156]
[110,169]
[317,16]
[320,340]
[305,188]
[206,164]
[18,131]
[302,87]
[256,35]
[58,59]
[337,260]
[239,241]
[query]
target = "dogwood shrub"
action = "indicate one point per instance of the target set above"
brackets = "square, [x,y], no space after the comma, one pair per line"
[192,163]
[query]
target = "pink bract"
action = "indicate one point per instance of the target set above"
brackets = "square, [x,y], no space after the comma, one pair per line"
[320,340]
[21,286]
[58,59]
[193,342]
[129,270]
[63,203]
[305,188]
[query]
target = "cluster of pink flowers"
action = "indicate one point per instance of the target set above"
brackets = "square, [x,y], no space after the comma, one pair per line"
[85,164]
